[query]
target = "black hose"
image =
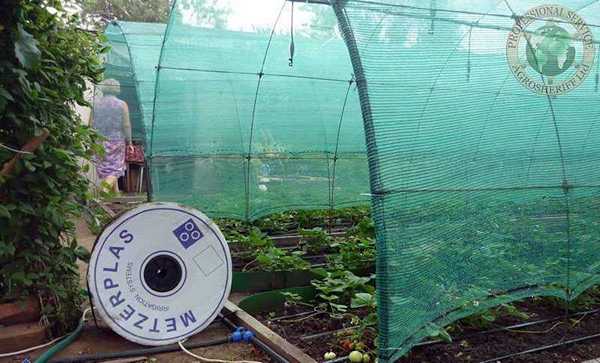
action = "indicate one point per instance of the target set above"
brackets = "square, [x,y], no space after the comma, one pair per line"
[542,348]
[140,352]
[273,354]
[338,359]
[507,328]
[260,344]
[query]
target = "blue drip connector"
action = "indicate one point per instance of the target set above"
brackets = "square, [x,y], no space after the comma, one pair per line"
[241,334]
[248,336]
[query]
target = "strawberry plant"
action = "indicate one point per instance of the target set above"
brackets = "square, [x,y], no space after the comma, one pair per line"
[354,254]
[277,259]
[315,240]
[337,288]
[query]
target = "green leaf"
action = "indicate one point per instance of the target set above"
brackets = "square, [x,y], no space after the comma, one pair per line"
[362,299]
[4,212]
[82,253]
[5,94]
[339,307]
[26,48]
[436,331]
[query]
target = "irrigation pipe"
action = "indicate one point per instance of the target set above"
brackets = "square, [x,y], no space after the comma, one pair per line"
[65,342]
[291,316]
[510,327]
[4,355]
[542,348]
[324,334]
[140,352]
[256,341]
[204,359]
[339,359]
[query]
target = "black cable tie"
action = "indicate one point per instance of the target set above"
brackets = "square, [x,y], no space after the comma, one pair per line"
[260,74]
[291,59]
[566,186]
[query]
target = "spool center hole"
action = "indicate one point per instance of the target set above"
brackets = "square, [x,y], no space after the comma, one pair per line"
[162,273]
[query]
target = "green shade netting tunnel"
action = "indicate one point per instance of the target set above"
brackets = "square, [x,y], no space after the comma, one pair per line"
[484,191]
[240,130]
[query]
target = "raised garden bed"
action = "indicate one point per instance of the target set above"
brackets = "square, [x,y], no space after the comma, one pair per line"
[533,330]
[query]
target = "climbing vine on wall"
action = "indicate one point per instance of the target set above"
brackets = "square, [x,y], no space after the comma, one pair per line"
[44,64]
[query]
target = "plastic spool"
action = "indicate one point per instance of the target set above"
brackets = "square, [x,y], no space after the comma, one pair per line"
[160,273]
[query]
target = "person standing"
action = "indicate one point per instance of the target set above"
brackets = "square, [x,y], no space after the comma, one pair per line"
[111,120]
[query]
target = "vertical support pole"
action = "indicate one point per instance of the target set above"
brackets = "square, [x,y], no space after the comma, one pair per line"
[432,11]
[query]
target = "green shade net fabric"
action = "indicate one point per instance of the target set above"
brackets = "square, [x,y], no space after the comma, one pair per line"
[240,130]
[483,190]
[132,60]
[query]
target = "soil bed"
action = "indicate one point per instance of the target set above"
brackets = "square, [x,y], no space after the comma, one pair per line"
[482,347]
[470,344]
[295,328]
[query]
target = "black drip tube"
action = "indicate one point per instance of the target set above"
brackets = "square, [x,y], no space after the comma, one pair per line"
[261,345]
[140,352]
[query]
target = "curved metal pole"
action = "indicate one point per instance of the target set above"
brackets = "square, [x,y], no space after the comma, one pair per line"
[137,94]
[337,144]
[156,81]
[260,76]
[432,88]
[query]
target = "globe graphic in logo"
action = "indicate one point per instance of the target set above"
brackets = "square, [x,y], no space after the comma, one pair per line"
[553,42]
[549,50]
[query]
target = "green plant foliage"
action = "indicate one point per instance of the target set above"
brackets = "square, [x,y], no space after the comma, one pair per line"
[255,240]
[45,62]
[437,332]
[315,240]
[277,259]
[338,287]
[205,12]
[486,318]
[354,253]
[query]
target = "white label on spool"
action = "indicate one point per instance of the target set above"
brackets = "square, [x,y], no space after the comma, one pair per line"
[160,273]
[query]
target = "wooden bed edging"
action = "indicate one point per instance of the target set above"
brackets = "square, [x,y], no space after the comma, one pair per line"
[269,337]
